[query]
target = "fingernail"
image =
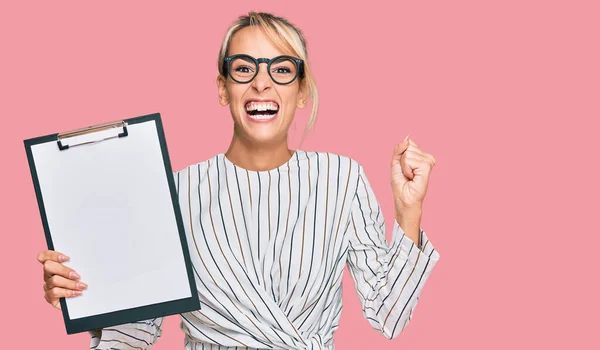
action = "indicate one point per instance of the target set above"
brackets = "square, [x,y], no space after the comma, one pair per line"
[63,258]
[74,274]
[406,138]
[76,292]
[81,285]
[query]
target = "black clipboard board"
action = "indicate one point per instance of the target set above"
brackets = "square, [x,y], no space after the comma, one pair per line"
[125,129]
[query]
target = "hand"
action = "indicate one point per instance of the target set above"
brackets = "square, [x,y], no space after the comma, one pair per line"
[410,171]
[59,281]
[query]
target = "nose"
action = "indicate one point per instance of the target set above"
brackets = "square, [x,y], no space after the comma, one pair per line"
[262,81]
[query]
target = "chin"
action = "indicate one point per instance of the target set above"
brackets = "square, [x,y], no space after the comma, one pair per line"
[263,137]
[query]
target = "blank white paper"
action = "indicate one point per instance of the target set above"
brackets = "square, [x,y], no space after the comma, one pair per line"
[109,208]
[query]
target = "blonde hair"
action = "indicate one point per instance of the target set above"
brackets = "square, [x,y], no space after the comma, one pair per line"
[286,37]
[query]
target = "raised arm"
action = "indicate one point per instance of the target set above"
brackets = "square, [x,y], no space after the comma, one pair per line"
[388,278]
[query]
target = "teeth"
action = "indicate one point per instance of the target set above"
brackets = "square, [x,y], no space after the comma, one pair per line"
[261,116]
[261,106]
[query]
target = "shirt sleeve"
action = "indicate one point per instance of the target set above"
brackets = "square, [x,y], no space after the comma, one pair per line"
[388,278]
[136,335]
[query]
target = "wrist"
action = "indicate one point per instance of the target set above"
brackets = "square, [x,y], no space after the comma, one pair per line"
[410,223]
[409,215]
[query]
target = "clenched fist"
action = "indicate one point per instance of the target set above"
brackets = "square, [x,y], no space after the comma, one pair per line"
[410,171]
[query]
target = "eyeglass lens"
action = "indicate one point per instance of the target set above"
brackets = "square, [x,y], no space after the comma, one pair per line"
[283,70]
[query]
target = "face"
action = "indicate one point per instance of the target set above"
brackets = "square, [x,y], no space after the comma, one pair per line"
[244,99]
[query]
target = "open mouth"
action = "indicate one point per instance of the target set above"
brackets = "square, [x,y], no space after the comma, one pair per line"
[261,111]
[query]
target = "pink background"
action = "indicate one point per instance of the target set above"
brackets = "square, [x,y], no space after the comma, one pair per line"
[505,95]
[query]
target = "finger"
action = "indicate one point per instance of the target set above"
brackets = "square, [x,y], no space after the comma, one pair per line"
[399,150]
[50,300]
[52,255]
[57,293]
[412,147]
[420,156]
[53,268]
[54,302]
[59,281]
[407,165]
[401,147]
[411,142]
[415,167]
[431,158]
[415,151]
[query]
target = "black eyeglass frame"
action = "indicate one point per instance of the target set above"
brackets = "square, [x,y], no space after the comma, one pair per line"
[257,61]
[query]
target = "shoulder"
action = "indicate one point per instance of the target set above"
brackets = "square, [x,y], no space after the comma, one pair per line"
[332,159]
[200,164]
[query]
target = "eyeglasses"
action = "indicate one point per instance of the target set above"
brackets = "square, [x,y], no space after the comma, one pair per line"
[282,69]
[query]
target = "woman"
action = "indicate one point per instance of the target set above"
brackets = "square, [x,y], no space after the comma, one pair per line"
[270,229]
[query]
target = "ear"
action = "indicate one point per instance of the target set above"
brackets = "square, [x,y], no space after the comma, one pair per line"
[302,94]
[222,89]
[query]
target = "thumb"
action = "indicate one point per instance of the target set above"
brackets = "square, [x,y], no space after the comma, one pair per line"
[396,166]
[399,150]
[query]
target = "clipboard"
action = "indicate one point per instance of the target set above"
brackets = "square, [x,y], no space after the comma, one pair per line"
[107,198]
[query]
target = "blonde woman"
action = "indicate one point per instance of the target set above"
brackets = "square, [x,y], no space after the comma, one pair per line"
[270,229]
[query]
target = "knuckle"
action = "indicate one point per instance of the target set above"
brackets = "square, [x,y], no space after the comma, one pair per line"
[47,265]
[47,276]
[53,281]
[57,292]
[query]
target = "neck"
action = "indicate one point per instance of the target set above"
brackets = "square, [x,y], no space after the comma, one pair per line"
[258,157]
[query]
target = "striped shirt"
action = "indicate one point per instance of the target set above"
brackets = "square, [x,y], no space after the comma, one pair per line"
[268,250]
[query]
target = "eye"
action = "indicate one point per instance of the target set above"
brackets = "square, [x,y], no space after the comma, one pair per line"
[243,69]
[283,67]
[282,70]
